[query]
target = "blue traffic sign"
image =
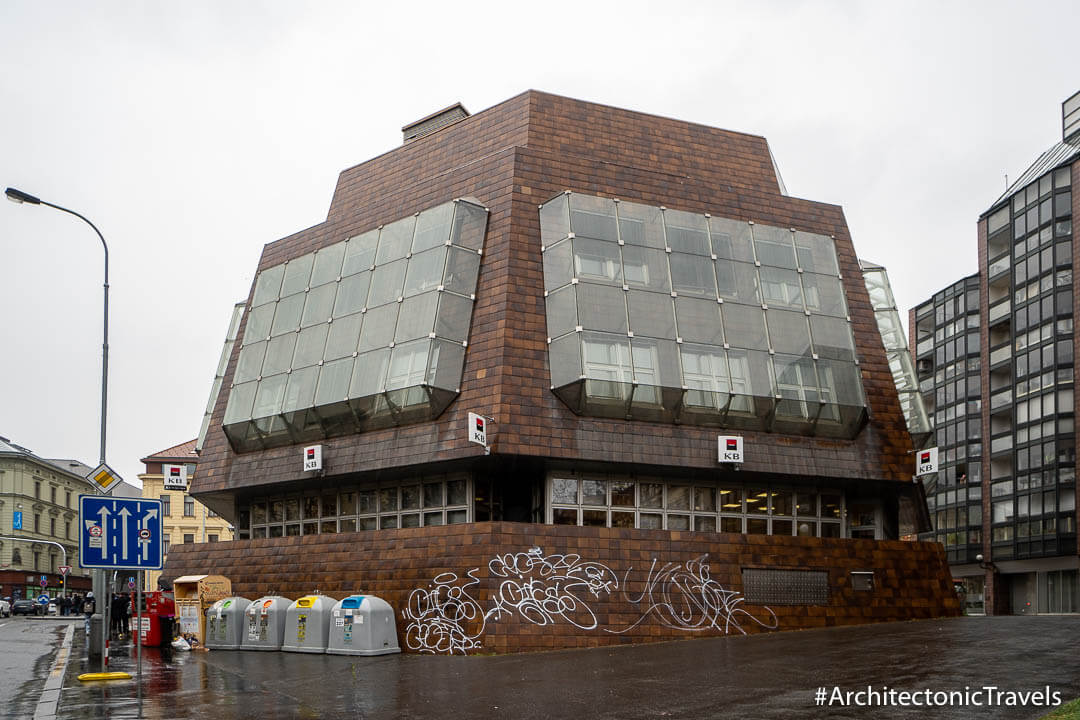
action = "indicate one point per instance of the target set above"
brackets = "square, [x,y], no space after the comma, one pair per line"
[44,599]
[119,533]
[16,520]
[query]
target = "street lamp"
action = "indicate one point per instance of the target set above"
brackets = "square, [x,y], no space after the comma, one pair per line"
[19,197]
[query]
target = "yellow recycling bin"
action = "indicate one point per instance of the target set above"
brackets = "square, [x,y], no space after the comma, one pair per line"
[194,594]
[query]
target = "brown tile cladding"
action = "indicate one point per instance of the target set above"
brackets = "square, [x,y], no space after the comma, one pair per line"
[912,579]
[512,157]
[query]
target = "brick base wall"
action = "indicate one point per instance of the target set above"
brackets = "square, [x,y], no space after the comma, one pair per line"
[512,587]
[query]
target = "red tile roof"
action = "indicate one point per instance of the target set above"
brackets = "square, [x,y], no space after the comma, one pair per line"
[184,452]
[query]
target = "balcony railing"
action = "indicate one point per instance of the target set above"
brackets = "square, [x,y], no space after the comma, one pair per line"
[1000,400]
[1000,265]
[1000,310]
[1001,444]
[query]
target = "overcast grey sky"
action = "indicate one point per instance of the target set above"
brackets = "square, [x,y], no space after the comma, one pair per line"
[193,133]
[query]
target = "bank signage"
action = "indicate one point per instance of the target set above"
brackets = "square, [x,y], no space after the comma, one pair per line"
[730,449]
[175,477]
[313,458]
[926,461]
[477,429]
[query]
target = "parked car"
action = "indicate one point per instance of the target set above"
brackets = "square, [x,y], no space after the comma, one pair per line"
[5,608]
[25,607]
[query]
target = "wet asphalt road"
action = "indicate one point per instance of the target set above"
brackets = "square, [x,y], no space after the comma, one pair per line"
[761,676]
[27,649]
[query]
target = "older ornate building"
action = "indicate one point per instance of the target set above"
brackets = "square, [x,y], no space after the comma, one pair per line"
[39,515]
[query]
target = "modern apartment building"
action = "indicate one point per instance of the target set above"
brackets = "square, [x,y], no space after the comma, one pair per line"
[995,355]
[947,336]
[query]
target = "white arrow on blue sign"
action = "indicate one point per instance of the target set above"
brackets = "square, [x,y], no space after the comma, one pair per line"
[119,533]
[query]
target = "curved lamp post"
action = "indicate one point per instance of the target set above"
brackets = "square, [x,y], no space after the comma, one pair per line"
[20,197]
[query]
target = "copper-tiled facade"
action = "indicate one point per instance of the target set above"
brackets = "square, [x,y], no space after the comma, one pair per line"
[511,158]
[911,580]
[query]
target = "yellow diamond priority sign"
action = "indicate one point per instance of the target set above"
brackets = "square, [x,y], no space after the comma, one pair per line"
[104,477]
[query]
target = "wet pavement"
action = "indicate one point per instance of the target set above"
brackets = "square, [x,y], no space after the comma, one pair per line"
[760,676]
[27,647]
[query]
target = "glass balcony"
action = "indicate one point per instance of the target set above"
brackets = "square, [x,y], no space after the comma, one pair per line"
[999,266]
[1002,353]
[999,311]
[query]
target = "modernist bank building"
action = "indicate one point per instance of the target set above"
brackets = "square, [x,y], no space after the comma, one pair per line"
[627,303]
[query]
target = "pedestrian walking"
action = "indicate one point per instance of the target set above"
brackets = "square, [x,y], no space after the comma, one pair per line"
[117,615]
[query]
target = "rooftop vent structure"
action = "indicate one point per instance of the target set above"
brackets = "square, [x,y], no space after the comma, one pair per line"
[1070,120]
[434,122]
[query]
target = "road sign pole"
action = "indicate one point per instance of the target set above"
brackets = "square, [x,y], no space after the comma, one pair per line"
[118,533]
[137,635]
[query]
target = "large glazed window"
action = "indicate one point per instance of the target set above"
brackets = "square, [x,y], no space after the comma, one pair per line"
[658,314]
[366,333]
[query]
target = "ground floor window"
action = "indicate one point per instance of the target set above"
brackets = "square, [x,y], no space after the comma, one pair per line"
[654,503]
[972,591]
[1058,592]
[414,502]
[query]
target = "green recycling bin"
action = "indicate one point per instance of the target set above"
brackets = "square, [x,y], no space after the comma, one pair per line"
[225,623]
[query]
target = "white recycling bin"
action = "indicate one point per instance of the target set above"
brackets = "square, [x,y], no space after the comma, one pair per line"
[264,623]
[307,624]
[363,625]
[225,623]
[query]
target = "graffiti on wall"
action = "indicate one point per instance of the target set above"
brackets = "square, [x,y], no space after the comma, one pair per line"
[548,589]
[683,596]
[439,615]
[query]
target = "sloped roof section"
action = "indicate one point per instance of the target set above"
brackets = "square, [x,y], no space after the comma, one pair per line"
[71,467]
[184,451]
[6,446]
[1060,154]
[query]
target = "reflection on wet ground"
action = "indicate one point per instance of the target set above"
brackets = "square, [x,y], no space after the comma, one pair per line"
[761,676]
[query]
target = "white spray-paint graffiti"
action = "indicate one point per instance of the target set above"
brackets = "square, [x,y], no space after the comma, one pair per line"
[438,616]
[683,596]
[543,588]
[548,589]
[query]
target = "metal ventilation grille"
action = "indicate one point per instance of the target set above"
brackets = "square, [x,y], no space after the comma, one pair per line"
[435,121]
[785,587]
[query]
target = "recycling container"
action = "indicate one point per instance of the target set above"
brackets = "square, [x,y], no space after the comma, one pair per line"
[193,595]
[225,623]
[264,623]
[363,625]
[307,624]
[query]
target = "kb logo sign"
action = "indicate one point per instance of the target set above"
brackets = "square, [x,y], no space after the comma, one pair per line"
[477,429]
[926,461]
[313,458]
[730,449]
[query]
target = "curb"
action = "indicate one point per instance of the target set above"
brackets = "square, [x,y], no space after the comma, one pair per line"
[50,696]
